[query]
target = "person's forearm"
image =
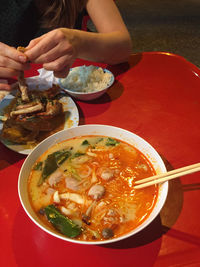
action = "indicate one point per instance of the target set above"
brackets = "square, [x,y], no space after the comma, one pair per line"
[111,48]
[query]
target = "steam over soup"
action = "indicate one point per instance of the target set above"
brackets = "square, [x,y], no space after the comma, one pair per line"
[84,188]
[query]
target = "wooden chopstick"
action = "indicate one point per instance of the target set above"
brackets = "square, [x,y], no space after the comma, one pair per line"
[160,178]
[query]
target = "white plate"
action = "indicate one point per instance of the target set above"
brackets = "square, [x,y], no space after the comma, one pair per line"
[71,120]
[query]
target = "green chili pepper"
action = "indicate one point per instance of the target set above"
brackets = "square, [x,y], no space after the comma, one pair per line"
[77,154]
[63,224]
[112,142]
[38,166]
[85,143]
[52,162]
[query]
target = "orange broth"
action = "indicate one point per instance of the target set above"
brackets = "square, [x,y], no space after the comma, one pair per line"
[96,160]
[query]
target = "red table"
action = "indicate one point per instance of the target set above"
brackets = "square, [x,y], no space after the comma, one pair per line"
[156,96]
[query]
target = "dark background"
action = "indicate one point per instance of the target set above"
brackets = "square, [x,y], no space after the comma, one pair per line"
[164,25]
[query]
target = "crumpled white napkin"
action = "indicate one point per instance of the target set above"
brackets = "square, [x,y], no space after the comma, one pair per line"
[44,80]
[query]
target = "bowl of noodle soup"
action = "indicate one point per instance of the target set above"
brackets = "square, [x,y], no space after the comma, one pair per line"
[78,184]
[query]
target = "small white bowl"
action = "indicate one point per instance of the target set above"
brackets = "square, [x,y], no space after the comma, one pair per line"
[86,96]
[104,130]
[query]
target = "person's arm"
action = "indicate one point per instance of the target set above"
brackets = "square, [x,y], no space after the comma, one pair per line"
[58,49]
[112,44]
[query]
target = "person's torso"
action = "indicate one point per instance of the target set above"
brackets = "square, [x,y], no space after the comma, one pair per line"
[20,22]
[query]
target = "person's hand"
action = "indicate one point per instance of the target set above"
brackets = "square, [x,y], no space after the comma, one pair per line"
[11,63]
[56,50]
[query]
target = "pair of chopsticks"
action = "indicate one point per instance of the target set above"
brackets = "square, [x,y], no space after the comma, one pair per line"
[160,178]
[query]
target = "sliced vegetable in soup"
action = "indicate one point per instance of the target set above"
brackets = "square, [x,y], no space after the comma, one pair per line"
[84,188]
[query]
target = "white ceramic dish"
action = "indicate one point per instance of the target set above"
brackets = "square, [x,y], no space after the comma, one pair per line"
[104,130]
[71,120]
[86,96]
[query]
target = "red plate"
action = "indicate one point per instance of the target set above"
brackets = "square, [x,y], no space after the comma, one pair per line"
[156,96]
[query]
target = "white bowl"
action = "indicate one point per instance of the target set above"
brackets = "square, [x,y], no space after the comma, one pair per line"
[86,96]
[104,130]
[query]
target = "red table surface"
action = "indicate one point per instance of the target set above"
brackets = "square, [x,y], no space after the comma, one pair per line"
[156,96]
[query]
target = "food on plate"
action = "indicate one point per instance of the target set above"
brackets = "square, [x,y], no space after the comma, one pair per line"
[30,122]
[86,79]
[83,188]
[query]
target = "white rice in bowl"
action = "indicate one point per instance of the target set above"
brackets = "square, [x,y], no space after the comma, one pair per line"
[86,79]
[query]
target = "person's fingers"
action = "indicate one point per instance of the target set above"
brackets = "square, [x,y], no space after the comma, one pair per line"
[63,73]
[7,62]
[12,53]
[49,56]
[59,64]
[40,48]
[34,42]
[55,53]
[5,86]
[7,72]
